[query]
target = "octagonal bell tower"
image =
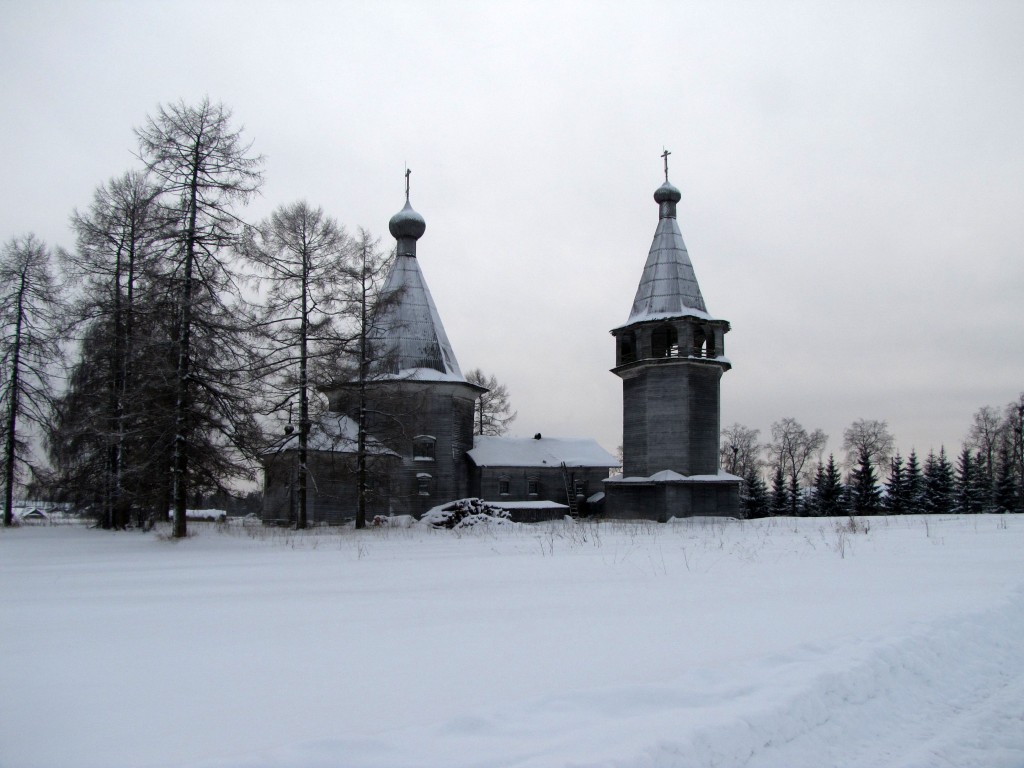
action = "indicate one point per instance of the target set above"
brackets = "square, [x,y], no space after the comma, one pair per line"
[670,355]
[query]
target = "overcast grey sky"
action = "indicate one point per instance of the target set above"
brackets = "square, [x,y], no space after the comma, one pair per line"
[852,176]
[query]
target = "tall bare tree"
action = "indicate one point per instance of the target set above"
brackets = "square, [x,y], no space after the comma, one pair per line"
[740,452]
[869,438]
[203,169]
[29,348]
[986,435]
[303,256]
[791,448]
[112,266]
[377,402]
[493,411]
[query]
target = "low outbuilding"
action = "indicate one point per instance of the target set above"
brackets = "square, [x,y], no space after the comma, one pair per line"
[559,474]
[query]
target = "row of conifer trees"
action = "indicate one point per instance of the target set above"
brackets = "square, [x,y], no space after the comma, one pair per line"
[977,481]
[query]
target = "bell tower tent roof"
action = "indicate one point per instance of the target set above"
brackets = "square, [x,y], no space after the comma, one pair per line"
[412,341]
[668,286]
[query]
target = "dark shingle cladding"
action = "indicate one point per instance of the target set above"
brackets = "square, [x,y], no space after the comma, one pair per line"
[412,340]
[668,286]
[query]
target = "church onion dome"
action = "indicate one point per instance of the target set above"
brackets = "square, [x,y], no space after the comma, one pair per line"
[666,193]
[407,223]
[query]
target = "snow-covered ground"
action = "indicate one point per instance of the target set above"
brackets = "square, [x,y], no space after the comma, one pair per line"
[765,643]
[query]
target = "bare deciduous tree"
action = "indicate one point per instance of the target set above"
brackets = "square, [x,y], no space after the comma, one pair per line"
[791,448]
[202,168]
[493,411]
[870,438]
[29,347]
[986,435]
[740,452]
[112,265]
[302,256]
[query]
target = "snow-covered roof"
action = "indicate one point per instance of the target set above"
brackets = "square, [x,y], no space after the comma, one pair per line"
[424,374]
[541,504]
[539,452]
[29,513]
[670,476]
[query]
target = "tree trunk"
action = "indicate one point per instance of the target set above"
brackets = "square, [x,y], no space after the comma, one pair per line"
[181,434]
[300,516]
[361,447]
[12,414]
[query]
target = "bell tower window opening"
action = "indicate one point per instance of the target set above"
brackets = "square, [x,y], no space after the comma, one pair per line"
[665,342]
[700,343]
[627,348]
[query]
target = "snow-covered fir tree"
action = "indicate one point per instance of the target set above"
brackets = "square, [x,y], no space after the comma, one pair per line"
[865,495]
[895,501]
[914,480]
[829,490]
[938,484]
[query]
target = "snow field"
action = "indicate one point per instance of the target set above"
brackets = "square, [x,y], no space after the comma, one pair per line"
[775,642]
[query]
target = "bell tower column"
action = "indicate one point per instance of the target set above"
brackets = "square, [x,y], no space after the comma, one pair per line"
[670,355]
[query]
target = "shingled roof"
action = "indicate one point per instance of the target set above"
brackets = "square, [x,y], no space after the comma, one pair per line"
[668,286]
[412,340]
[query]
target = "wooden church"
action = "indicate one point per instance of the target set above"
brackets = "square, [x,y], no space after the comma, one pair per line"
[418,406]
[419,428]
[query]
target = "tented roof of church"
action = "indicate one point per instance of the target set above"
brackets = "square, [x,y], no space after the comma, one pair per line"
[412,341]
[668,286]
[539,452]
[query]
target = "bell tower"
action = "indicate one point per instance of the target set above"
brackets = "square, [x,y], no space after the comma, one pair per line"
[670,355]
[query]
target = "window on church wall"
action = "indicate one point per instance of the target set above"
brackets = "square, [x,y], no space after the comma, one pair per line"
[423,448]
[533,486]
[665,342]
[423,481]
[504,485]
[579,487]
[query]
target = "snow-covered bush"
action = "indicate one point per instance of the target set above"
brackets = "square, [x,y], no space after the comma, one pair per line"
[393,521]
[465,513]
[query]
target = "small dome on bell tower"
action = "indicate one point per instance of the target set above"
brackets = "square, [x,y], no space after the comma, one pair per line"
[407,226]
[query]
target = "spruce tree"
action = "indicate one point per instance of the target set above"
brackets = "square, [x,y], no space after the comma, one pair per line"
[779,503]
[895,502]
[812,506]
[830,492]
[984,483]
[866,498]
[1005,496]
[964,485]
[938,484]
[755,501]
[914,486]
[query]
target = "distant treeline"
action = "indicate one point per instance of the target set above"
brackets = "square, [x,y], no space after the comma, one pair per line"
[789,475]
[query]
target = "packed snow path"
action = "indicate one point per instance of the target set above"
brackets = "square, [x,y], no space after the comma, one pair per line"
[697,643]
